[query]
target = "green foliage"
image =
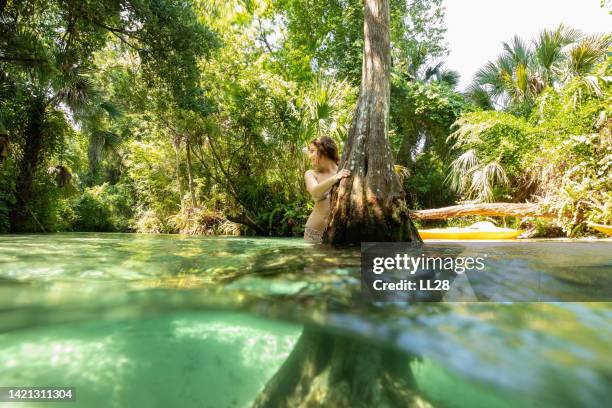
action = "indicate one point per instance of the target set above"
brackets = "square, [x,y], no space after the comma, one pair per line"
[585,183]
[497,137]
[252,149]
[48,73]
[153,178]
[285,218]
[179,116]
[420,119]
[427,186]
[423,110]
[104,208]
[573,165]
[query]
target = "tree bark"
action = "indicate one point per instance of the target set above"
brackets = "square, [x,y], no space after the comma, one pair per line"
[28,164]
[370,205]
[491,209]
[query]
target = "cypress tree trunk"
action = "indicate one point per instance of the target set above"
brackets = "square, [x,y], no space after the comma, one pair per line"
[28,165]
[370,205]
[327,370]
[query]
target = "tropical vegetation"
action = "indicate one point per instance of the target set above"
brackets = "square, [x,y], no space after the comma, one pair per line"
[548,140]
[192,116]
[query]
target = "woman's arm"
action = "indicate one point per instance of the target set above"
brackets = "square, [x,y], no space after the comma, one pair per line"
[318,190]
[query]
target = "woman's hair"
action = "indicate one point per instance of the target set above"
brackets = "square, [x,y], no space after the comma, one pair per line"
[326,146]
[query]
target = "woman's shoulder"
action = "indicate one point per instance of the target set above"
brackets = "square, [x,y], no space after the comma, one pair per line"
[311,176]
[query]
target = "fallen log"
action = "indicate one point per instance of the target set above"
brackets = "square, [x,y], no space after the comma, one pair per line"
[488,209]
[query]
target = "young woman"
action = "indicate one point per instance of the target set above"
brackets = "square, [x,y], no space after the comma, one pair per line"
[323,154]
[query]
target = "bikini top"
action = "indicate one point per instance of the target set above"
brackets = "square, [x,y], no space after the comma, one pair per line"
[325,197]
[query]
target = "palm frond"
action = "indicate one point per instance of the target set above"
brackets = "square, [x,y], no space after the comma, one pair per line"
[518,51]
[488,75]
[25,47]
[523,71]
[522,80]
[433,71]
[479,96]
[584,55]
[548,46]
[321,109]
[490,79]
[461,170]
[417,58]
[449,77]
[76,88]
[484,179]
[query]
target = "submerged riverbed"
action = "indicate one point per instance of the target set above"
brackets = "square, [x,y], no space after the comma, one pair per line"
[159,320]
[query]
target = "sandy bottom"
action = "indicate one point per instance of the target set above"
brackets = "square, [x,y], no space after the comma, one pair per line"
[187,360]
[203,359]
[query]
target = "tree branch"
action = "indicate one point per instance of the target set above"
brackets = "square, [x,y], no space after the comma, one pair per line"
[263,37]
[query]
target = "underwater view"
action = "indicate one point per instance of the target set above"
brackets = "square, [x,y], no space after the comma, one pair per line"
[159,320]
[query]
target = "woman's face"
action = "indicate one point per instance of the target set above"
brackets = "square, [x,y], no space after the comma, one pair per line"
[313,155]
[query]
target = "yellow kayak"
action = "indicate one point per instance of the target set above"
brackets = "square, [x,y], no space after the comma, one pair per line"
[606,229]
[479,231]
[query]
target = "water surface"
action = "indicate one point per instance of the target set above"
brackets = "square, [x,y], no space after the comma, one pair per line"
[133,319]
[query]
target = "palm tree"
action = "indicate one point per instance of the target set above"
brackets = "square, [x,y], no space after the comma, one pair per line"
[513,77]
[583,57]
[523,71]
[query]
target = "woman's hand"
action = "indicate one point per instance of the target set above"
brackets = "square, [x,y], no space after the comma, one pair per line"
[342,174]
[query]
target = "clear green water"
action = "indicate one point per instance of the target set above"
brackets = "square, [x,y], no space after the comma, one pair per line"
[149,320]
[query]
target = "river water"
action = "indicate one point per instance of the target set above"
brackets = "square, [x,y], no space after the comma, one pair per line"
[159,320]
